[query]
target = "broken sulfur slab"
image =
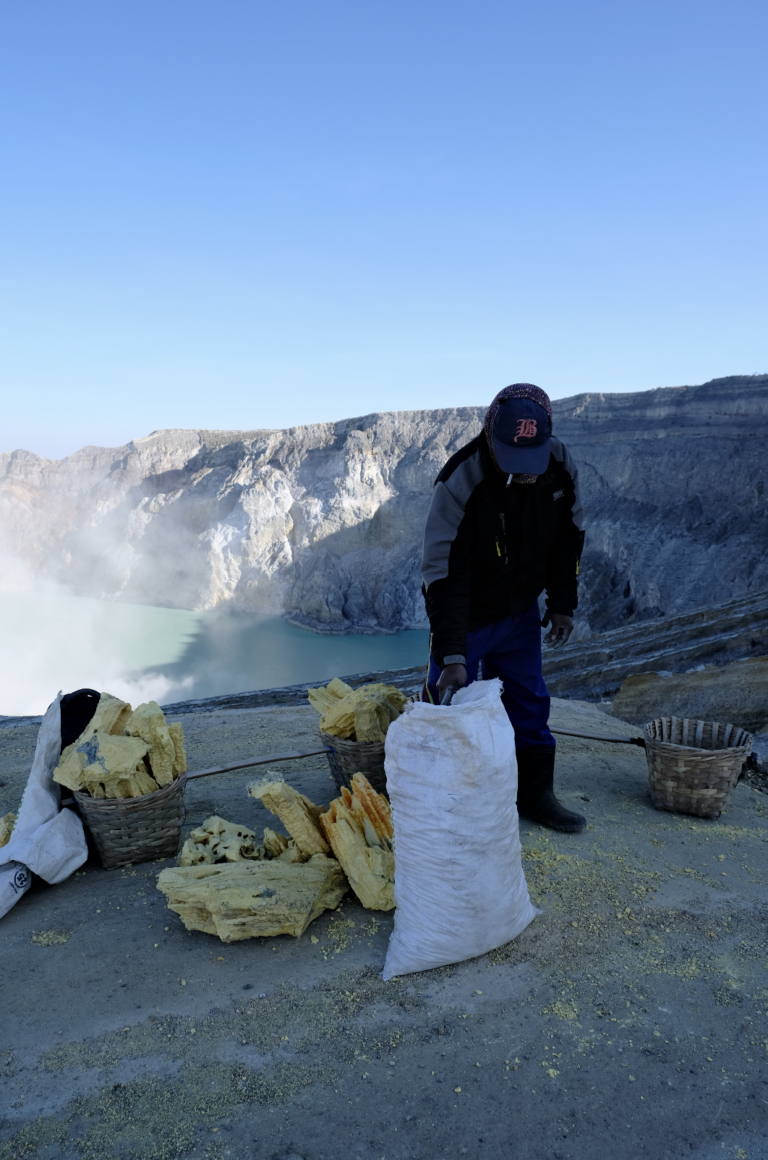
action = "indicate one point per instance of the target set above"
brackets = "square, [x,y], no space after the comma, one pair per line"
[239,900]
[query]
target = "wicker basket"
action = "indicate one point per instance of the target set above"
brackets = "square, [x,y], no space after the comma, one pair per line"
[694,765]
[128,830]
[347,758]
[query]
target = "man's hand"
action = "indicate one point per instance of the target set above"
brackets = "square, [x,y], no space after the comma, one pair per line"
[451,675]
[562,627]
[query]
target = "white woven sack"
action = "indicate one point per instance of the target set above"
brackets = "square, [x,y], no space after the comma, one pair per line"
[46,839]
[460,890]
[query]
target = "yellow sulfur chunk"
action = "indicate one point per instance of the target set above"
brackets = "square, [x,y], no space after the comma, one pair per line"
[195,854]
[371,721]
[370,870]
[298,814]
[110,717]
[233,842]
[292,853]
[135,783]
[69,771]
[274,844]
[218,841]
[358,827]
[148,723]
[320,700]
[325,697]
[103,759]
[278,846]
[339,720]
[250,899]
[179,752]
[374,806]
[339,688]
[6,828]
[114,754]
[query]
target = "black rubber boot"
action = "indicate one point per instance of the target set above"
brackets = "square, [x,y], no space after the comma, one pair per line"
[535,798]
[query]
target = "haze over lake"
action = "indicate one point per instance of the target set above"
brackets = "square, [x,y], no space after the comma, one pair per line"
[55,641]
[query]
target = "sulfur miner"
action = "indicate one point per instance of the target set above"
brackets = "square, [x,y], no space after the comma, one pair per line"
[506,523]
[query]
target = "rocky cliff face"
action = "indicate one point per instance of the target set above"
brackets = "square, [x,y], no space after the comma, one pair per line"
[673,483]
[324,523]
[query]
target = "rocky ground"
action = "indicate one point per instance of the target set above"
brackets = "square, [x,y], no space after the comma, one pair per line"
[630,1019]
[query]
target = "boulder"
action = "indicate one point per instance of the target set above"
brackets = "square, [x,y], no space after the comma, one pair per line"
[736,694]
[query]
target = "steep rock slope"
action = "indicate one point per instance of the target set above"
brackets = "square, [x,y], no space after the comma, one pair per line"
[324,522]
[674,491]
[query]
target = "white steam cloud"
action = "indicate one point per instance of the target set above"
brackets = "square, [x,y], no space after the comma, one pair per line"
[52,640]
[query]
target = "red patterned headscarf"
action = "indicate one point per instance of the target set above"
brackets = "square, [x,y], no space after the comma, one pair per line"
[516,391]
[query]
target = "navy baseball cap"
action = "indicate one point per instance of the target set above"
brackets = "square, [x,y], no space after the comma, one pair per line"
[522,433]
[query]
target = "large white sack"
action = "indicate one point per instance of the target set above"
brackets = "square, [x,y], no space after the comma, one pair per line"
[452,780]
[15,880]
[46,839]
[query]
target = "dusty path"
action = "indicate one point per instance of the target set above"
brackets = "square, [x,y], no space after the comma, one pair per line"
[629,1020]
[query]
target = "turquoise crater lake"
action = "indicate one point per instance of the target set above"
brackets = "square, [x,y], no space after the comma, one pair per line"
[55,641]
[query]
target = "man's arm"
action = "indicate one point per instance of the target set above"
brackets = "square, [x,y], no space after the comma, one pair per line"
[447,572]
[446,566]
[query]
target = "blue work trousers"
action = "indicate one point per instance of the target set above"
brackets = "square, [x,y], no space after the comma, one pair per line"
[509,649]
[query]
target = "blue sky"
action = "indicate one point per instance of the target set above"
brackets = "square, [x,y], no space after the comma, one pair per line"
[240,215]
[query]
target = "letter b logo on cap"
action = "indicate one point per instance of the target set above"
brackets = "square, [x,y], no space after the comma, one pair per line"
[526,429]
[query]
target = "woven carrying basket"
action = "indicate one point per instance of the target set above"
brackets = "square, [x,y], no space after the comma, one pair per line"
[693,766]
[128,830]
[347,758]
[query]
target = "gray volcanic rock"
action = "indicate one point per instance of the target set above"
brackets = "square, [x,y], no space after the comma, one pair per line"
[324,523]
[736,694]
[321,522]
[596,665]
[673,482]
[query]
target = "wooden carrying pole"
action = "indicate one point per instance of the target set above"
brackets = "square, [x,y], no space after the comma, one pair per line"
[600,737]
[292,756]
[265,760]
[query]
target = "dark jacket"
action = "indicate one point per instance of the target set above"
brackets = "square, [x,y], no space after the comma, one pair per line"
[490,550]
